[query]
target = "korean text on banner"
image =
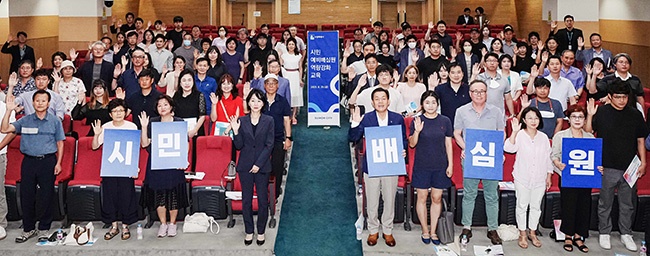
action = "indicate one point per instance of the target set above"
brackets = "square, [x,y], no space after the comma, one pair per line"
[169,145]
[582,157]
[483,154]
[323,78]
[384,147]
[121,153]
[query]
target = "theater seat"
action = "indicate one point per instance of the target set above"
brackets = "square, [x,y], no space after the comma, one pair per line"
[12,179]
[507,199]
[643,202]
[213,155]
[84,190]
[81,128]
[67,123]
[142,165]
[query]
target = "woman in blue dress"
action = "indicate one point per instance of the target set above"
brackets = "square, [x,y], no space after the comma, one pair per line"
[431,135]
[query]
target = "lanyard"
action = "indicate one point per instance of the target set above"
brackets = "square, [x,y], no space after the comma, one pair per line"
[569,35]
[549,103]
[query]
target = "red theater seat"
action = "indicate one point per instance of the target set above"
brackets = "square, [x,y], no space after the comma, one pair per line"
[84,190]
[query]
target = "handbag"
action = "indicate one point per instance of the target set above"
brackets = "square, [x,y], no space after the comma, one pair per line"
[232,169]
[445,230]
[508,232]
[199,222]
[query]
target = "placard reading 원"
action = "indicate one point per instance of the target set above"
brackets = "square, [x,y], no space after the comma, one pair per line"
[582,156]
[121,153]
[169,145]
[323,78]
[384,147]
[483,154]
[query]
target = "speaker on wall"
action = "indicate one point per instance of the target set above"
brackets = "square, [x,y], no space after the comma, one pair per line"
[108,3]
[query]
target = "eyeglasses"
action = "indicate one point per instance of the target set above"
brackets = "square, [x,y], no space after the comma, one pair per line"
[138,57]
[478,92]
[492,61]
[577,117]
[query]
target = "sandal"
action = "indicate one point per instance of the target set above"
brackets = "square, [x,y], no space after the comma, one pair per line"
[583,247]
[568,246]
[533,238]
[126,234]
[523,243]
[111,233]
[435,240]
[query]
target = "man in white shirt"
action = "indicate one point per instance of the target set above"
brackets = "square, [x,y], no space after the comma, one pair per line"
[562,89]
[161,58]
[384,77]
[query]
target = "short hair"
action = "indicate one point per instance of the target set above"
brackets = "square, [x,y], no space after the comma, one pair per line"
[595,34]
[258,94]
[568,16]
[110,40]
[358,30]
[49,97]
[139,19]
[384,68]
[542,82]
[178,19]
[160,36]
[264,26]
[496,56]
[467,9]
[202,59]
[381,45]
[441,22]
[196,26]
[62,55]
[554,57]
[131,34]
[26,61]
[168,99]
[496,40]
[479,9]
[187,34]
[619,87]
[405,25]
[181,75]
[230,39]
[477,82]
[115,103]
[157,22]
[262,36]
[98,43]
[227,78]
[622,55]
[504,57]
[369,56]
[528,109]
[533,34]
[21,33]
[434,41]
[356,41]
[224,29]
[129,14]
[575,108]
[508,29]
[379,90]
[242,30]
[427,94]
[368,43]
[146,73]
[42,72]
[597,59]
[453,65]
[411,36]
[378,24]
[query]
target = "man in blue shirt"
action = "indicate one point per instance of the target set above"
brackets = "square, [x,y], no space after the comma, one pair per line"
[551,109]
[204,83]
[128,80]
[258,82]
[279,109]
[144,100]
[570,72]
[42,144]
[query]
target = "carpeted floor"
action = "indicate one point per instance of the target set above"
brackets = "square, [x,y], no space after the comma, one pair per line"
[319,208]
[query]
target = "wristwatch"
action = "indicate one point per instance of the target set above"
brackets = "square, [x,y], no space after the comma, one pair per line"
[290,138]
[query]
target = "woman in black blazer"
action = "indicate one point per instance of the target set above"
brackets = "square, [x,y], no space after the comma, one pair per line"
[254,139]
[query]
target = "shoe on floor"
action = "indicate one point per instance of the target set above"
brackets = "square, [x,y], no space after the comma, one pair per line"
[372,239]
[162,230]
[26,236]
[467,233]
[603,241]
[628,241]
[171,230]
[44,235]
[494,237]
[390,240]
[3,233]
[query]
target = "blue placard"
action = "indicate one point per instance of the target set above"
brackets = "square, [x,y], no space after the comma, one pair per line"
[121,153]
[169,145]
[582,157]
[323,78]
[483,154]
[384,147]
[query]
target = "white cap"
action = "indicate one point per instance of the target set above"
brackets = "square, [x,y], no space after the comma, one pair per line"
[270,76]
[68,63]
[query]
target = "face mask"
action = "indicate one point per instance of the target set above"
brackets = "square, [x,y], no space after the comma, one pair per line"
[221,33]
[467,48]
[411,45]
[187,42]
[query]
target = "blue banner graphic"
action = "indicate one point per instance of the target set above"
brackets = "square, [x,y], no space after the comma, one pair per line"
[323,78]
[121,153]
[384,147]
[169,145]
[582,157]
[483,154]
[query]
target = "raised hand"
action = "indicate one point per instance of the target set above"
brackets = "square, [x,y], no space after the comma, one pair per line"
[73,54]
[347,52]
[459,36]
[484,51]
[418,124]
[364,30]
[431,25]
[476,68]
[363,80]
[597,70]
[257,69]
[534,72]
[144,119]
[545,57]
[214,98]
[351,72]
[117,71]
[589,70]
[554,25]
[97,126]
[247,45]
[401,46]
[148,24]
[515,124]
[124,61]
[356,114]
[453,53]
[516,51]
[501,35]
[196,54]
[11,103]
[253,33]
[119,24]
[592,108]
[581,42]
[415,56]
[165,69]
[540,45]
[234,123]
[170,45]
[525,102]
[13,80]
[39,63]
[56,77]
[120,93]
[113,20]
[273,40]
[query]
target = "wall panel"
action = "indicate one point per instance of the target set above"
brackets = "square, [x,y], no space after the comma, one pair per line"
[328,12]
[498,11]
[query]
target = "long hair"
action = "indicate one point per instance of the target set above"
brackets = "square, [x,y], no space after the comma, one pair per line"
[407,69]
[219,59]
[93,99]
[295,50]
[227,78]
[179,88]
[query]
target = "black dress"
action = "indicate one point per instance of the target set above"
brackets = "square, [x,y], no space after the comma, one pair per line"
[192,106]
[91,114]
[217,71]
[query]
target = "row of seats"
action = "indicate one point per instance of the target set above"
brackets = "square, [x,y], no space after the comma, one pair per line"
[78,186]
[551,207]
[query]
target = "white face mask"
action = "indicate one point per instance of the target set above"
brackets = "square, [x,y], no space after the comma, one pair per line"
[411,45]
[467,48]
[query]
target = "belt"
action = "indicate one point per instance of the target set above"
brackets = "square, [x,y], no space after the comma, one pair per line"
[40,157]
[291,69]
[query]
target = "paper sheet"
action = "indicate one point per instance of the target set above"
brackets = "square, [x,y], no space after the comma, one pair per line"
[488,250]
[632,172]
[195,176]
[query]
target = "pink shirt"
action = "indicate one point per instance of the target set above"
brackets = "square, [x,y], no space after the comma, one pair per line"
[533,161]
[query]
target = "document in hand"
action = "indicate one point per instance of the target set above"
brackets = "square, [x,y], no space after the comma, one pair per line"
[632,172]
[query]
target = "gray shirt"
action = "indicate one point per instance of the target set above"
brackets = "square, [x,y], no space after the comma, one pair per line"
[491,118]
[496,89]
[57,107]
[188,54]
[163,57]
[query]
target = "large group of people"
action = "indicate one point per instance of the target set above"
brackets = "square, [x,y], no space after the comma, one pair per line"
[489,83]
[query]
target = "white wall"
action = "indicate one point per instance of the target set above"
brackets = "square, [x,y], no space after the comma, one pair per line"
[4,9]
[625,10]
[19,8]
[80,8]
[582,10]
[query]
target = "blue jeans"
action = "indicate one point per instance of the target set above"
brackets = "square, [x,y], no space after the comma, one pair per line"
[491,195]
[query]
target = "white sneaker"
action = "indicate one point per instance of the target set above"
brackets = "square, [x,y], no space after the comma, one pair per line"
[603,240]
[3,233]
[628,242]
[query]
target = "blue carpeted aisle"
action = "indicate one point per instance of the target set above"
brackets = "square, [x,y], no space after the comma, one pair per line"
[319,208]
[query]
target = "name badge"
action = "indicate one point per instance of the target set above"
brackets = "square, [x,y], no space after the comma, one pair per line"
[569,47]
[494,84]
[27,130]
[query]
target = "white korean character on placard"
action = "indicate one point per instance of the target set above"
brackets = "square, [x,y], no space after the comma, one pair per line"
[385,150]
[117,155]
[582,162]
[483,160]
[169,145]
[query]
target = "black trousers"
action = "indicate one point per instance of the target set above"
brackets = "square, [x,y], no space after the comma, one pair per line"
[37,181]
[576,209]
[261,183]
[118,200]
[277,165]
